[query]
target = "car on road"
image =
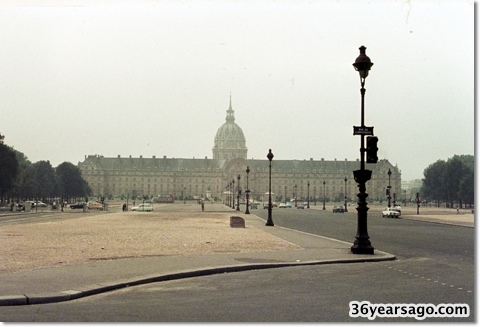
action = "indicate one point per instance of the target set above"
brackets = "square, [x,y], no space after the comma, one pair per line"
[285,205]
[143,207]
[338,209]
[78,205]
[253,206]
[391,213]
[265,205]
[398,208]
[300,206]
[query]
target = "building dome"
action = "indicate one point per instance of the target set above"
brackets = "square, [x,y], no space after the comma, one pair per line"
[229,141]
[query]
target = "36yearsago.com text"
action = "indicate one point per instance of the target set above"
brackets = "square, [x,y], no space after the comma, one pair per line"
[419,311]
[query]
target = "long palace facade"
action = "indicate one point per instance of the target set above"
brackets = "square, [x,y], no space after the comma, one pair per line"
[212,178]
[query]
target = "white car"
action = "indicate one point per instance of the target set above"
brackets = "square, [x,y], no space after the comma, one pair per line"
[391,213]
[143,207]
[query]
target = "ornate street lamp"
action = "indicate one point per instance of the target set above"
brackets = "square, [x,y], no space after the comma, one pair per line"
[345,195]
[285,195]
[315,195]
[184,195]
[417,200]
[389,173]
[247,191]
[362,243]
[233,195]
[238,193]
[228,195]
[323,195]
[295,195]
[308,195]
[269,220]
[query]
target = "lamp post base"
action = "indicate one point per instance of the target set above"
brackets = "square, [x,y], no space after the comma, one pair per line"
[362,243]
[362,248]
[269,220]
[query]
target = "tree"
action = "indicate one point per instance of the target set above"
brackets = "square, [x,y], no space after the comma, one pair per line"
[434,181]
[21,188]
[8,169]
[450,181]
[70,182]
[43,180]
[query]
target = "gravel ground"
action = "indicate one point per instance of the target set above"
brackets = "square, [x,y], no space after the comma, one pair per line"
[169,230]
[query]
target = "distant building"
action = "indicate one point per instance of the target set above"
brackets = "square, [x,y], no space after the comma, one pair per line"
[413,184]
[119,177]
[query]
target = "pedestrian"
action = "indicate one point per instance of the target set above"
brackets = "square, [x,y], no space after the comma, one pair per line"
[458,210]
[124,207]
[203,206]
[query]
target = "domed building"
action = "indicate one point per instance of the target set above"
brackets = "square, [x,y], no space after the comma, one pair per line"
[123,177]
[229,141]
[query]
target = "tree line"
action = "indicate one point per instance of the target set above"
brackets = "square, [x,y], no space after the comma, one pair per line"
[450,181]
[22,180]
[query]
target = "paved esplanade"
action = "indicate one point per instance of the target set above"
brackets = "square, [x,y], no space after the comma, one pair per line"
[68,282]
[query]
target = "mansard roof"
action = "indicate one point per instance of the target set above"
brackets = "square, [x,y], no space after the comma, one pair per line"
[164,164]
[152,164]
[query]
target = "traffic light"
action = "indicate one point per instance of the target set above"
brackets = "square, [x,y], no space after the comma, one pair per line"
[372,149]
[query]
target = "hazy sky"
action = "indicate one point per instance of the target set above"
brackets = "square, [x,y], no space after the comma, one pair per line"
[155,78]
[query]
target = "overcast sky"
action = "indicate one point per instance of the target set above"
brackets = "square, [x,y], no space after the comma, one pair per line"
[155,78]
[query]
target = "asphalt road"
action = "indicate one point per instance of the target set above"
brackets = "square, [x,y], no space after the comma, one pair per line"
[435,265]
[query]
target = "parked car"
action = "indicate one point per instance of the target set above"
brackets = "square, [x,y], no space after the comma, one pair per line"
[253,206]
[338,209]
[143,207]
[95,205]
[6,208]
[285,205]
[16,207]
[300,206]
[391,213]
[39,204]
[78,205]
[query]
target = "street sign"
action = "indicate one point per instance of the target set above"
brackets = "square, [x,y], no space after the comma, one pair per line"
[362,130]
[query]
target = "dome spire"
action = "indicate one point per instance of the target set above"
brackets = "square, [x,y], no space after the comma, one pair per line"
[230,118]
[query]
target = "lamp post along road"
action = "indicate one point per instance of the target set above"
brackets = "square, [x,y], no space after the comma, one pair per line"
[323,195]
[345,195]
[269,220]
[295,195]
[229,194]
[238,193]
[362,243]
[233,195]
[308,195]
[389,187]
[247,191]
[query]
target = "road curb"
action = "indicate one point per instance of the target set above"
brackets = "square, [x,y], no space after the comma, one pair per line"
[68,295]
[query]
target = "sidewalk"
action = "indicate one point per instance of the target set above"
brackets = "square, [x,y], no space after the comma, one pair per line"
[65,283]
